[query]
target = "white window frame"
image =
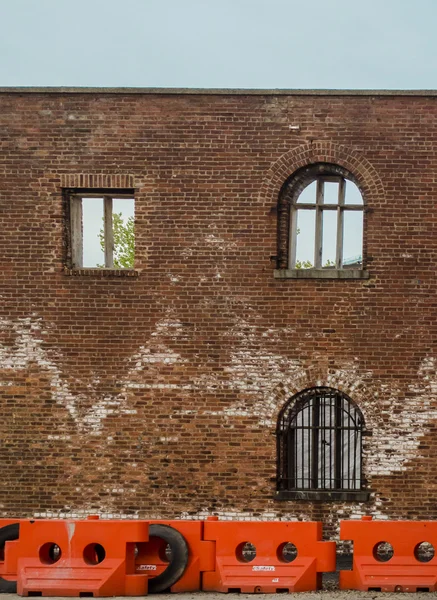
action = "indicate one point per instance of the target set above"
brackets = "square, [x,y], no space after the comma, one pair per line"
[319,206]
[76,226]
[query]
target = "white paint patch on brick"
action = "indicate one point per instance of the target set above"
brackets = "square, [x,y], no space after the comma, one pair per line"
[146,356]
[396,439]
[159,386]
[397,423]
[263,381]
[187,252]
[152,357]
[213,241]
[28,350]
[168,327]
[81,514]
[256,374]
[220,243]
[238,515]
[103,408]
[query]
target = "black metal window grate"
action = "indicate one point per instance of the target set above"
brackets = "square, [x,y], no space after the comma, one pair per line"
[319,437]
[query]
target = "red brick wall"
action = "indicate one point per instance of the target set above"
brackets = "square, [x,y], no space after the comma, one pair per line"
[158,395]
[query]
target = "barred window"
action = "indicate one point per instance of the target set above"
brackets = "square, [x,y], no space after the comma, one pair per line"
[319,437]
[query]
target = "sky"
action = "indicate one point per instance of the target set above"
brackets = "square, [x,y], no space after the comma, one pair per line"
[92,211]
[352,228]
[386,44]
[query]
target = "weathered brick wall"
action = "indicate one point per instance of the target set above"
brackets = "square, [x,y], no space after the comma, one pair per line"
[158,395]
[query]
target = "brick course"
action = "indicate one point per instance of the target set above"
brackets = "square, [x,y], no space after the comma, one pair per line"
[157,395]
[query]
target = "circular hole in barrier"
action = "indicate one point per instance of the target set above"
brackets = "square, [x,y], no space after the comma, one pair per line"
[49,553]
[94,554]
[286,552]
[245,552]
[424,552]
[383,551]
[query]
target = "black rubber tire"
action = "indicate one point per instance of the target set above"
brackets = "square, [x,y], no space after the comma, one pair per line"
[8,533]
[179,558]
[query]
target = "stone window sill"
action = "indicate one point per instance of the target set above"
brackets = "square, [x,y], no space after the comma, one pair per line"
[320,274]
[324,495]
[101,273]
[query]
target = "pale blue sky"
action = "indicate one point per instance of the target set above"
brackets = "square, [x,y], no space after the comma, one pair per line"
[93,255]
[219,43]
[352,231]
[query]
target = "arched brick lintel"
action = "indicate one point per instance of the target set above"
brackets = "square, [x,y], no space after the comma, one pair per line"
[366,175]
[352,386]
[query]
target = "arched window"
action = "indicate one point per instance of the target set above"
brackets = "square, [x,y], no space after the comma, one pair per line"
[319,437]
[321,222]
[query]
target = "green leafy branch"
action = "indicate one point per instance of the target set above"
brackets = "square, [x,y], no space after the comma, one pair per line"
[124,241]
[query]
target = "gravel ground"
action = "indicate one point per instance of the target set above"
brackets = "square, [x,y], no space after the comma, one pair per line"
[333,595]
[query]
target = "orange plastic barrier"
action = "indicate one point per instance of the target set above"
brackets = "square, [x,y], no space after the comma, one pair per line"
[153,560]
[274,568]
[5,572]
[4,522]
[73,558]
[374,569]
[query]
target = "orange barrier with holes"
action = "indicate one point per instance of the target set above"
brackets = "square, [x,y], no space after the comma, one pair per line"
[74,558]
[374,569]
[274,568]
[152,559]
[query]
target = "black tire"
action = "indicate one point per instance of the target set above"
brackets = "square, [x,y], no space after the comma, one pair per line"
[179,558]
[8,533]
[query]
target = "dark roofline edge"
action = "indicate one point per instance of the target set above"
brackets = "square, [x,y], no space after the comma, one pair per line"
[212,91]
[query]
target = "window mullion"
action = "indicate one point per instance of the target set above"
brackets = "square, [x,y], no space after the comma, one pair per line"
[340,224]
[76,221]
[315,443]
[293,237]
[109,232]
[338,443]
[319,225]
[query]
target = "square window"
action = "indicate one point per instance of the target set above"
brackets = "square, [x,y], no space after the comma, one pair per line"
[101,229]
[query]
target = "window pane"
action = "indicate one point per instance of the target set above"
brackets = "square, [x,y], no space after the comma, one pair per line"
[353,239]
[125,206]
[123,228]
[329,238]
[305,241]
[308,195]
[351,459]
[326,443]
[330,192]
[92,218]
[352,194]
[303,448]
